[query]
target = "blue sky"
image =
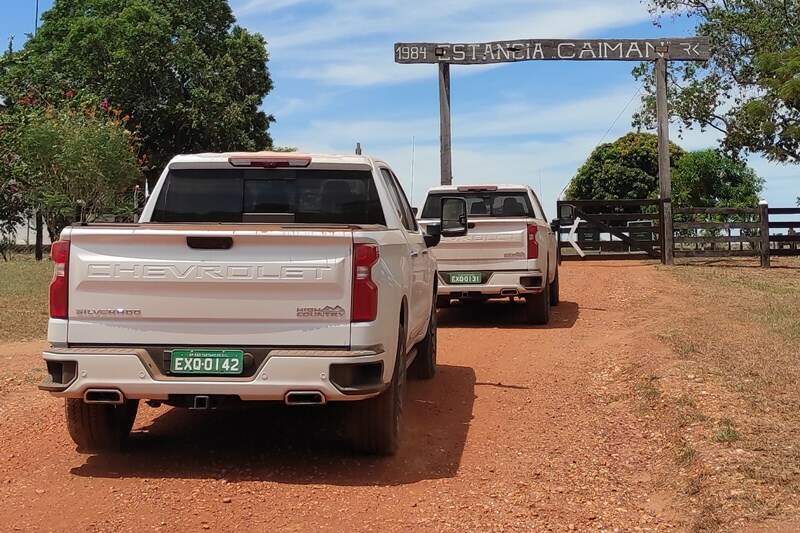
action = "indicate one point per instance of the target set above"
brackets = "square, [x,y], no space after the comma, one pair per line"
[534,122]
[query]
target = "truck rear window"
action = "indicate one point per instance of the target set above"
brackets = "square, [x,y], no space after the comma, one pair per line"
[288,195]
[483,204]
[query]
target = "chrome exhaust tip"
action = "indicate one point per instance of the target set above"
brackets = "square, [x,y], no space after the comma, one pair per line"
[106,396]
[304,398]
[509,292]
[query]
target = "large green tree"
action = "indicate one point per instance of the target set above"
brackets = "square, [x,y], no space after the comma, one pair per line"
[628,169]
[750,90]
[625,168]
[185,75]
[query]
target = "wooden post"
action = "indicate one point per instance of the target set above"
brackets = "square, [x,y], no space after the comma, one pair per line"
[763,213]
[664,172]
[446,158]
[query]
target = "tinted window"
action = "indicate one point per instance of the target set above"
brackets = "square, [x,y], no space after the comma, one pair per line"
[483,204]
[306,196]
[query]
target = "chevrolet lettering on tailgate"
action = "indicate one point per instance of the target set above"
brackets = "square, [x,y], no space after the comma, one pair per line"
[171,272]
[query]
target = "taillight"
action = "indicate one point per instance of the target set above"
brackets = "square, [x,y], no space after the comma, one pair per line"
[365,292]
[59,253]
[533,246]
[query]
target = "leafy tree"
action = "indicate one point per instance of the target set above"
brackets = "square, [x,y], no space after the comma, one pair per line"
[625,168]
[708,178]
[750,90]
[184,74]
[12,207]
[76,161]
[628,168]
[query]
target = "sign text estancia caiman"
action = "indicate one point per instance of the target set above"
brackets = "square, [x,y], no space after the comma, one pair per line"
[681,49]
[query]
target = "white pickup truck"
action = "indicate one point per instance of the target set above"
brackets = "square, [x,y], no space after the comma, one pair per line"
[510,252]
[254,276]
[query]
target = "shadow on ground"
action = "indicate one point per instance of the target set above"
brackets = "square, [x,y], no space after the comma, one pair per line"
[299,445]
[504,314]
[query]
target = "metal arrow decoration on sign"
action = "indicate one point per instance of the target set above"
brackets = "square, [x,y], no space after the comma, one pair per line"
[572,237]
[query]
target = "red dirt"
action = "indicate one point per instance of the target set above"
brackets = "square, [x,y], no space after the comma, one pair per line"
[524,428]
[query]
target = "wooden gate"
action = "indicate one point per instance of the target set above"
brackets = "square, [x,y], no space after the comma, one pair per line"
[610,229]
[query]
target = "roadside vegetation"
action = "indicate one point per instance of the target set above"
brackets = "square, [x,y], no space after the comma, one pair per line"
[23,298]
[730,396]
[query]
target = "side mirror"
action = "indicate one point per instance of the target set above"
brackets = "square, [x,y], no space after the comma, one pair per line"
[433,234]
[566,212]
[555,225]
[454,217]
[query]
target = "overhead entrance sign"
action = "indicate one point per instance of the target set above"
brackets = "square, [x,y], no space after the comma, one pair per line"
[679,49]
[660,51]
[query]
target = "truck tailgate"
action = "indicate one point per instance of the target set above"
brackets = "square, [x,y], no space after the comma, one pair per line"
[493,244]
[272,287]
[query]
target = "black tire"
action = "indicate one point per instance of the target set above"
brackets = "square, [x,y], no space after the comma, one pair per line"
[424,365]
[555,296]
[443,301]
[537,307]
[375,423]
[100,427]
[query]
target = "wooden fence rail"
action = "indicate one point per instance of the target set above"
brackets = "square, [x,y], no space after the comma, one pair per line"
[788,244]
[753,226]
[633,228]
[702,227]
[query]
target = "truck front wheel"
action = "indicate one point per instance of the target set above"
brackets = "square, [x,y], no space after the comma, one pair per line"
[375,423]
[100,427]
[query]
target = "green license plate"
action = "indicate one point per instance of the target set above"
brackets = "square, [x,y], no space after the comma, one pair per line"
[203,361]
[466,278]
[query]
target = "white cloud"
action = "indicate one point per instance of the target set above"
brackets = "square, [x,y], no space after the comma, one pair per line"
[350,43]
[513,116]
[265,6]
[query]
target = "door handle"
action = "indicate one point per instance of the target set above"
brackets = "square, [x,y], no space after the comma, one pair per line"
[425,251]
[209,243]
[414,253]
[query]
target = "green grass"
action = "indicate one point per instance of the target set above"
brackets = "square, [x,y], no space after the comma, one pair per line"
[726,431]
[771,296]
[23,298]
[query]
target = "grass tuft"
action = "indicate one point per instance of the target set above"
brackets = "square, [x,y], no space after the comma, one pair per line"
[726,431]
[685,454]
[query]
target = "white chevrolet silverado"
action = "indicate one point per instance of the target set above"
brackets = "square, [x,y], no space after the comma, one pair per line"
[510,252]
[296,278]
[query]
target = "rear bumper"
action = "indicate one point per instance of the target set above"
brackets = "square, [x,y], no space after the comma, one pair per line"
[73,371]
[502,283]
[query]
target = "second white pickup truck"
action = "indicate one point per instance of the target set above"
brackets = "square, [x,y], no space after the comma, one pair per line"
[510,251]
[298,278]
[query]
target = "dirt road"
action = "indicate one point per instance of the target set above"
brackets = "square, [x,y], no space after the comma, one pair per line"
[524,428]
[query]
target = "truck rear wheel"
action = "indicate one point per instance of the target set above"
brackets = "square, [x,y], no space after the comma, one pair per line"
[375,423]
[537,307]
[100,427]
[424,365]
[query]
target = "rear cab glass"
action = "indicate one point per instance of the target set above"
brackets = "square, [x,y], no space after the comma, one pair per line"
[494,204]
[261,195]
